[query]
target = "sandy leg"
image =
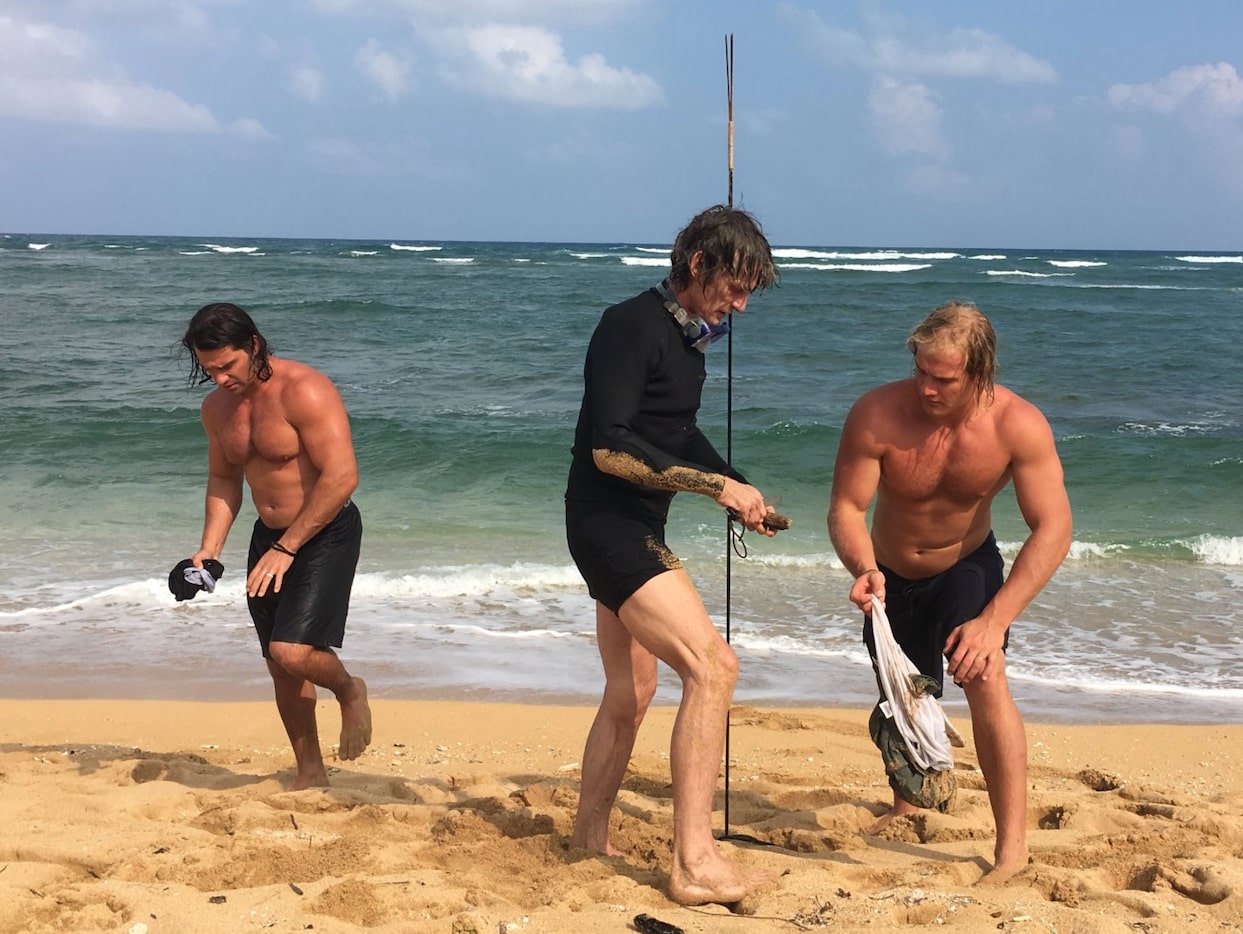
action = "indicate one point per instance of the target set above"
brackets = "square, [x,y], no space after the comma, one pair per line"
[355,721]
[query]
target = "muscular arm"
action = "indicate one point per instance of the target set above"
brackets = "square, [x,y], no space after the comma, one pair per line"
[856,477]
[314,408]
[1040,491]
[1041,494]
[224,487]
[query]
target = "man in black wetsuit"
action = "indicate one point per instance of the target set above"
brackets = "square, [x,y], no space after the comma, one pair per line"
[636,445]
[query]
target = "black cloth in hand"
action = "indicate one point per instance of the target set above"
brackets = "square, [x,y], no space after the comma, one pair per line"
[185,580]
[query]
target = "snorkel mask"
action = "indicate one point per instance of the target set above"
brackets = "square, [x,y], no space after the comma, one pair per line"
[695,331]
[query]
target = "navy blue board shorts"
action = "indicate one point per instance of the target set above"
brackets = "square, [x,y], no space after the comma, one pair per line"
[923,613]
[315,593]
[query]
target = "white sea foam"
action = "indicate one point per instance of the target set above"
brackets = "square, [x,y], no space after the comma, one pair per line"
[591,255]
[860,267]
[195,252]
[988,256]
[1151,288]
[815,561]
[1071,679]
[38,246]
[473,581]
[1163,428]
[413,249]
[364,252]
[644,261]
[1209,259]
[217,248]
[453,260]
[1024,273]
[881,255]
[654,249]
[1218,549]
[1075,263]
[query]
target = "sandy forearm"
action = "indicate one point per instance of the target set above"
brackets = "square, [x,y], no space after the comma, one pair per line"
[677,479]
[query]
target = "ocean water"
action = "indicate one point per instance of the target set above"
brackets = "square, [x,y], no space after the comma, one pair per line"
[460,364]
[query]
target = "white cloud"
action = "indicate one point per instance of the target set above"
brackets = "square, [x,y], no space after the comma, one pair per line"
[907,119]
[1215,90]
[527,63]
[465,11]
[52,74]
[305,82]
[894,46]
[1207,100]
[389,71]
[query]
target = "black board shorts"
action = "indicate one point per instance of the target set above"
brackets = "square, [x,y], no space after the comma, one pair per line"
[616,550]
[315,593]
[923,613]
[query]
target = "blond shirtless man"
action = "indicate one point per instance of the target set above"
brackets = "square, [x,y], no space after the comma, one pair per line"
[281,426]
[933,451]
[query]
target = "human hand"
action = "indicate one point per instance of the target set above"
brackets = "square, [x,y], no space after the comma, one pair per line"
[270,569]
[974,650]
[746,504]
[868,584]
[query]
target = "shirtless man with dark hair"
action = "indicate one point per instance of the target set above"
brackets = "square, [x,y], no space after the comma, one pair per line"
[636,445]
[281,426]
[933,451]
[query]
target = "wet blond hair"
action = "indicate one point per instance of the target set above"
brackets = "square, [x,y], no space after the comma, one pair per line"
[962,327]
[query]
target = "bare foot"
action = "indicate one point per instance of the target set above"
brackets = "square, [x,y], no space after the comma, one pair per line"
[606,850]
[1004,870]
[900,809]
[312,780]
[717,883]
[355,723]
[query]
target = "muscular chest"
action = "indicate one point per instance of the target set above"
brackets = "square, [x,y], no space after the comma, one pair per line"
[255,430]
[964,468]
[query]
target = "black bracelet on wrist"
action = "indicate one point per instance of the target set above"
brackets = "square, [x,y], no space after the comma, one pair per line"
[277,546]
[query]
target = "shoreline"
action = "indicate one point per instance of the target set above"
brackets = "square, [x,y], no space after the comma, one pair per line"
[173,815]
[241,679]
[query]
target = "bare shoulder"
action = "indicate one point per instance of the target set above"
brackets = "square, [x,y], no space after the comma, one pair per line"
[305,391]
[885,401]
[216,405]
[1019,423]
[881,411]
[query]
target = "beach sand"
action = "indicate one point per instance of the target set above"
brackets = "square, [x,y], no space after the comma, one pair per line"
[171,817]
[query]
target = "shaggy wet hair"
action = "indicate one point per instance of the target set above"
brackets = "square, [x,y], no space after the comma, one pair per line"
[731,242]
[223,325]
[963,327]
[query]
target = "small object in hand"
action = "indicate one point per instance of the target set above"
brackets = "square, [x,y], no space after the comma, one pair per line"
[296,890]
[185,580]
[649,925]
[774,521]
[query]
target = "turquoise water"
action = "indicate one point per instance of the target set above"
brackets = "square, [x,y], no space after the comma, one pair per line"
[460,364]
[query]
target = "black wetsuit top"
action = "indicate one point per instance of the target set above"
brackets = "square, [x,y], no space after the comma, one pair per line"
[642,389]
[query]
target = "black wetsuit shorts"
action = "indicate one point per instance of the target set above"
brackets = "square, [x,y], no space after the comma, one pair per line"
[923,613]
[315,593]
[617,550]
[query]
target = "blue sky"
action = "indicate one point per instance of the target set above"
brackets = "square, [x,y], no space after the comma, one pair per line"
[1093,124]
